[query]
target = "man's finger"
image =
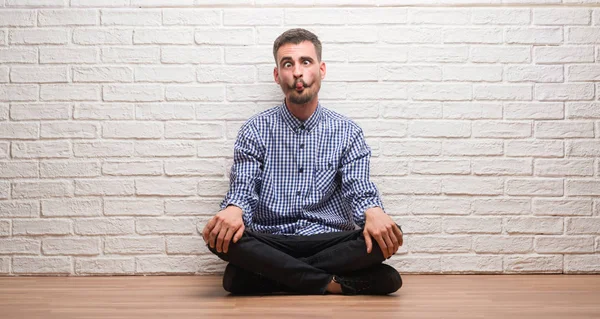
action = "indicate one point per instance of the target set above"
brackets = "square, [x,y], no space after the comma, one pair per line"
[227,239]
[212,236]
[398,236]
[238,234]
[368,241]
[220,238]
[390,245]
[382,246]
[209,226]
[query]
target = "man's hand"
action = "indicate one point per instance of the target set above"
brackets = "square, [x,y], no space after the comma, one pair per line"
[226,224]
[382,228]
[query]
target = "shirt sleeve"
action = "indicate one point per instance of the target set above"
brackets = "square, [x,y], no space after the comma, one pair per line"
[357,188]
[246,171]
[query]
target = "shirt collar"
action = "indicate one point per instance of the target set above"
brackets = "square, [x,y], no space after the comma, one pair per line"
[295,124]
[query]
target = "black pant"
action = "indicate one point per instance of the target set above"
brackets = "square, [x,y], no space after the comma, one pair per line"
[304,264]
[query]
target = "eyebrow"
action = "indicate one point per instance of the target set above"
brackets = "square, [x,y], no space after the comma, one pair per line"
[290,58]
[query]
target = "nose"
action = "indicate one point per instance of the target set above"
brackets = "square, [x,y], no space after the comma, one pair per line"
[297,71]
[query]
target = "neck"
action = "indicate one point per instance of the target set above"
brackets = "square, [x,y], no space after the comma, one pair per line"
[302,111]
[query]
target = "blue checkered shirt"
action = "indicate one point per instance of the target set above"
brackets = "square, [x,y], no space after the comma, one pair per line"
[301,178]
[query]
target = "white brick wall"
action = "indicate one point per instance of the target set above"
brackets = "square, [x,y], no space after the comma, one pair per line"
[117,120]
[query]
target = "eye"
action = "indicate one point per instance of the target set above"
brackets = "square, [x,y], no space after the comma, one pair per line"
[287,64]
[306,62]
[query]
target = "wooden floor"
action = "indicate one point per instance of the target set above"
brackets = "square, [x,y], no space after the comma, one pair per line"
[422,296]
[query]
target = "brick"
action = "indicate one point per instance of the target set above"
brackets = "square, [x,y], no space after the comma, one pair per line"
[42,189]
[5,228]
[4,149]
[472,73]
[133,207]
[583,73]
[195,17]
[412,148]
[104,266]
[19,209]
[421,225]
[252,17]
[472,35]
[102,36]
[406,35]
[439,54]
[397,73]
[409,110]
[533,264]
[208,148]
[583,187]
[439,16]
[29,150]
[196,167]
[536,148]
[472,225]
[439,244]
[472,147]
[386,15]
[417,265]
[571,129]
[165,149]
[500,54]
[382,167]
[534,74]
[564,167]
[410,186]
[166,187]
[423,128]
[359,91]
[534,187]
[133,93]
[550,207]
[4,265]
[18,92]
[193,130]
[38,36]
[533,35]
[192,207]
[583,35]
[194,55]
[68,17]
[108,111]
[502,166]
[128,130]
[583,225]
[18,169]
[563,54]
[134,245]
[583,110]
[165,3]
[103,149]
[71,207]
[564,91]
[502,244]
[171,265]
[17,18]
[112,187]
[561,16]
[41,265]
[533,225]
[582,264]
[4,74]
[102,74]
[165,74]
[68,55]
[163,36]
[71,246]
[35,3]
[441,92]
[473,186]
[137,17]
[439,167]
[354,73]
[69,130]
[130,55]
[208,187]
[19,246]
[501,129]
[186,245]
[471,264]
[4,190]
[69,169]
[502,92]
[501,206]
[237,111]
[165,226]
[69,92]
[205,93]
[132,168]
[247,55]
[533,111]
[165,111]
[583,148]
[46,111]
[566,245]
[501,16]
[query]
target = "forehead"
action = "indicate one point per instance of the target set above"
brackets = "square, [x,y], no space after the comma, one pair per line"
[305,48]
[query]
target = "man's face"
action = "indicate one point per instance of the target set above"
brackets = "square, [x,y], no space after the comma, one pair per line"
[298,72]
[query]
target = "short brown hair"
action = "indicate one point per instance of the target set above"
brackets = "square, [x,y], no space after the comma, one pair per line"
[296,36]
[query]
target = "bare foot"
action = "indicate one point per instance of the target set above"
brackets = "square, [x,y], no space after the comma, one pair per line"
[334,288]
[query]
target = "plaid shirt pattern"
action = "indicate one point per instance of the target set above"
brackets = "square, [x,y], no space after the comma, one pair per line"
[301,178]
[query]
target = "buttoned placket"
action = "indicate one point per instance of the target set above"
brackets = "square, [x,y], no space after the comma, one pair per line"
[302,171]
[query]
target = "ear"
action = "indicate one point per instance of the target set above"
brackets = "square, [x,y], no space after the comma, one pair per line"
[323,69]
[276,75]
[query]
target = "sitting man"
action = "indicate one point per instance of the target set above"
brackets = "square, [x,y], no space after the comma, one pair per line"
[301,215]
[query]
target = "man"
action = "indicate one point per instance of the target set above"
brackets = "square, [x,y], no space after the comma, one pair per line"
[299,186]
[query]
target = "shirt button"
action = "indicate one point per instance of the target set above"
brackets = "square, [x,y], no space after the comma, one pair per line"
[298,193]
[301,146]
[302,126]
[300,170]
